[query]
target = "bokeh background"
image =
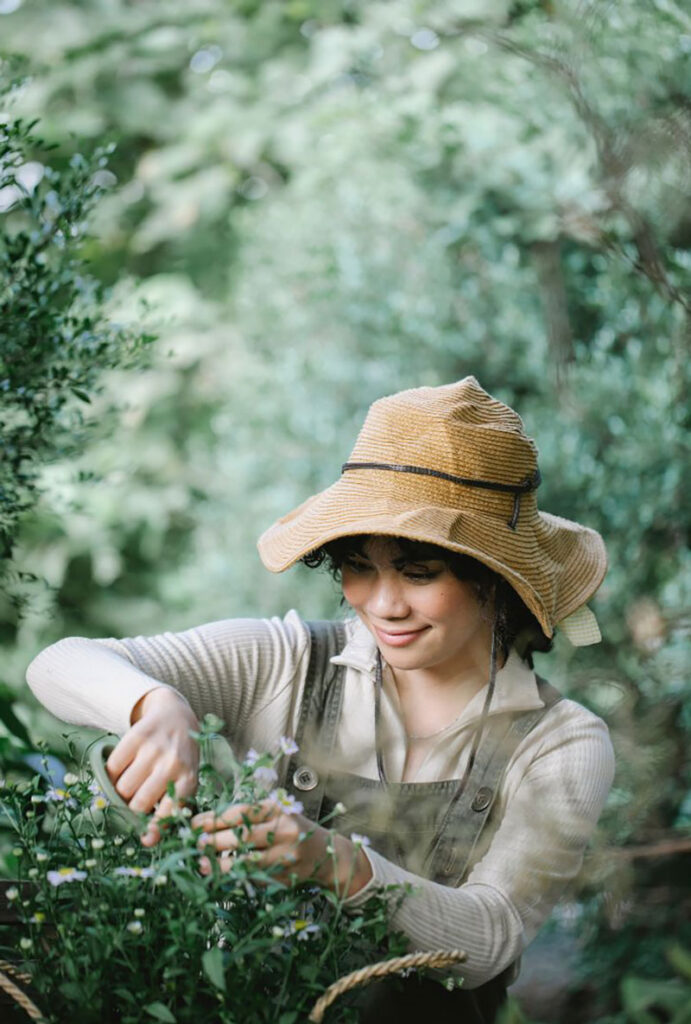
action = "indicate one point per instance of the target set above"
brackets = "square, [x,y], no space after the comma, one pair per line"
[311,204]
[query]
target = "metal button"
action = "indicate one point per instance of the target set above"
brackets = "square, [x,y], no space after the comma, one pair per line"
[482,799]
[305,778]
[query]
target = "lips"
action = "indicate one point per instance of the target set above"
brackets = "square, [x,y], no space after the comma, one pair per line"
[399,638]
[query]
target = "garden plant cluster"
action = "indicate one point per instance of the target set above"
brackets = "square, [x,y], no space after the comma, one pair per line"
[112,931]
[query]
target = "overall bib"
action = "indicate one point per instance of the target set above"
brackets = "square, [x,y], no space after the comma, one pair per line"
[434,829]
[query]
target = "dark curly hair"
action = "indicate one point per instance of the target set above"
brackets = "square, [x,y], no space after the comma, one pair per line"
[515,626]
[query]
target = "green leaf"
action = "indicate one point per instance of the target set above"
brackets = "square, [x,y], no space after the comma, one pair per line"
[160,1012]
[212,963]
[81,394]
[7,716]
[288,1017]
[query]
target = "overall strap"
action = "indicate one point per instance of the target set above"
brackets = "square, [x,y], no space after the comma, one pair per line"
[469,811]
[318,720]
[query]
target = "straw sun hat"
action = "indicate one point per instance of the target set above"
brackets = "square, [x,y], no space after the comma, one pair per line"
[453,466]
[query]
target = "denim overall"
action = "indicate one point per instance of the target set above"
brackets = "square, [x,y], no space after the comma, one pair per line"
[433,829]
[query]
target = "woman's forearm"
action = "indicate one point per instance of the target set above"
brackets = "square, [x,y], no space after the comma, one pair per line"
[89,682]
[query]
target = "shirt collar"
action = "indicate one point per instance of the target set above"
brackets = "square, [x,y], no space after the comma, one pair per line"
[515,689]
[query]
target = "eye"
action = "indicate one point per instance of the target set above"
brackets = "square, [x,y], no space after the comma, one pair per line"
[420,573]
[357,565]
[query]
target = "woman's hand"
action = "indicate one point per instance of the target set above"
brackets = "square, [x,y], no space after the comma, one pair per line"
[296,846]
[158,749]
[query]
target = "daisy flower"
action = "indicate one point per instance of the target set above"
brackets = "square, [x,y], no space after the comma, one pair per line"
[265,776]
[286,801]
[359,840]
[135,872]
[302,928]
[288,746]
[60,796]
[65,875]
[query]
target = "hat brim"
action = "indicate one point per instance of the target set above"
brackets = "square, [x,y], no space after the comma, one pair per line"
[546,555]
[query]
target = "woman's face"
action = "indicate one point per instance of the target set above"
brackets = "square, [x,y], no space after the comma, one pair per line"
[420,614]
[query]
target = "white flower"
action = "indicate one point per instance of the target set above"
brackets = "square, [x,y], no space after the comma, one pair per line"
[97,844]
[25,943]
[185,812]
[339,808]
[329,849]
[135,927]
[286,801]
[251,757]
[32,872]
[17,851]
[265,777]
[41,856]
[60,796]
[130,851]
[277,932]
[90,863]
[11,893]
[118,840]
[70,779]
[359,840]
[135,872]
[65,875]
[37,799]
[161,880]
[139,911]
[99,803]
[302,928]
[288,746]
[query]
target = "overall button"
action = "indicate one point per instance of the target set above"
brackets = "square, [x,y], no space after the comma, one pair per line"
[482,799]
[305,778]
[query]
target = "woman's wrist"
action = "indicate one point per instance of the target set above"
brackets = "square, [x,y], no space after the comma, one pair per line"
[159,695]
[351,867]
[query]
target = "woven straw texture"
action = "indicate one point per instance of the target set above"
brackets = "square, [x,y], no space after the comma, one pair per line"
[555,565]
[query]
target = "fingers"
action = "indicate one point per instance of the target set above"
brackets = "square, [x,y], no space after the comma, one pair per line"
[269,833]
[234,815]
[184,787]
[122,755]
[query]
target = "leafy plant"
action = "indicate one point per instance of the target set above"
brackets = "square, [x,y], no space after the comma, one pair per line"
[55,338]
[113,932]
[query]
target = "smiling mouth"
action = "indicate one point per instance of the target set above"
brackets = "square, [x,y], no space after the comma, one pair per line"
[399,638]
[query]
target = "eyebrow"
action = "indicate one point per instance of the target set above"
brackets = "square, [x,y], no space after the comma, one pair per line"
[403,561]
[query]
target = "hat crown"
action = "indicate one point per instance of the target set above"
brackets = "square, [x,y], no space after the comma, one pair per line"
[456,428]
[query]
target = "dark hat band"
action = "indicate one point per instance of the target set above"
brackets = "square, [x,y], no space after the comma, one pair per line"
[530,483]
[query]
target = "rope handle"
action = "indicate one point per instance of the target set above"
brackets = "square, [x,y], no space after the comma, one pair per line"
[363,976]
[6,983]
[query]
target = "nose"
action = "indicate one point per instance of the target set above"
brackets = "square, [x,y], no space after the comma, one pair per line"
[387,599]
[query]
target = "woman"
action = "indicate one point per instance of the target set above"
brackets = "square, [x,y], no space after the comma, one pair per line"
[472,778]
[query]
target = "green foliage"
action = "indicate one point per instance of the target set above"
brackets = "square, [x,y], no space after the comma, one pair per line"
[55,341]
[111,931]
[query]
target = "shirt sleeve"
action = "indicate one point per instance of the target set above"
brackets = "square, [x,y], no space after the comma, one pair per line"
[535,853]
[238,669]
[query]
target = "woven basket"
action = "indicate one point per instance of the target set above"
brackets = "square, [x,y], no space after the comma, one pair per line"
[14,982]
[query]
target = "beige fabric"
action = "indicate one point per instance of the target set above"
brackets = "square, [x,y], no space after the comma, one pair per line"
[251,672]
[555,565]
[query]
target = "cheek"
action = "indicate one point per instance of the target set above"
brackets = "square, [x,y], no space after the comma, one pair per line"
[450,605]
[354,589]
